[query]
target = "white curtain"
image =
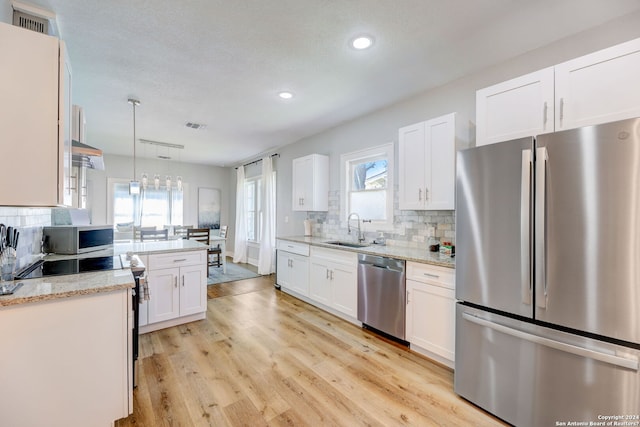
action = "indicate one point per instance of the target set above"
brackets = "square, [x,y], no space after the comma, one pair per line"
[240,243]
[268,237]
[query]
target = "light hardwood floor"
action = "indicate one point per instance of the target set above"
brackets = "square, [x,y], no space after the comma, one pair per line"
[264,358]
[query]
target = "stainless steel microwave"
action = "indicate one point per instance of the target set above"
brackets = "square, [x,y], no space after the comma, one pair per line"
[77,239]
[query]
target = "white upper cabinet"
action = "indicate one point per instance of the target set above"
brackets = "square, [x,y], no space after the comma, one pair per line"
[427,164]
[310,182]
[516,108]
[596,88]
[35,84]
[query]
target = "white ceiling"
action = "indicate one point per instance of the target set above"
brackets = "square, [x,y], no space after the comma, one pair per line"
[222,62]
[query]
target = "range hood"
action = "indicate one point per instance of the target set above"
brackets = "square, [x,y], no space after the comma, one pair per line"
[83,155]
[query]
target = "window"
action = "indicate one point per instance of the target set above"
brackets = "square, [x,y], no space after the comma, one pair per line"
[367,183]
[151,208]
[253,205]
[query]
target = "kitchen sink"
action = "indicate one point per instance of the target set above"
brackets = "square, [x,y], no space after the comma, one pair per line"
[347,244]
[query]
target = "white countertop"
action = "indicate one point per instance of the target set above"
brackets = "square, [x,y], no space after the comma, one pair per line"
[399,252]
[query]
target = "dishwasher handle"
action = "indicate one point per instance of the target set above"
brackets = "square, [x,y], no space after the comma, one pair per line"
[374,261]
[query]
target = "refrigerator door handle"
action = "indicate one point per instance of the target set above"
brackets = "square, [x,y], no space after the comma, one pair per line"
[540,227]
[525,228]
[623,362]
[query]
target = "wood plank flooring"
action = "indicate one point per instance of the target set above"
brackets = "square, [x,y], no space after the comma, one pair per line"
[264,358]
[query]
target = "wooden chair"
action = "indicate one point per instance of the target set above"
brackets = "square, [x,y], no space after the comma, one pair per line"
[217,251]
[151,235]
[181,230]
[201,235]
[137,232]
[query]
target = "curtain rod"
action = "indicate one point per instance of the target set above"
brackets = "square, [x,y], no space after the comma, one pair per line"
[258,161]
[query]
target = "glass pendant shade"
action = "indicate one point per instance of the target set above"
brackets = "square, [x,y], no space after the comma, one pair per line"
[145,180]
[168,182]
[156,181]
[179,182]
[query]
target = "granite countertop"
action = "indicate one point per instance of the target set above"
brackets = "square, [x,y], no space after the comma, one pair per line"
[399,252]
[53,287]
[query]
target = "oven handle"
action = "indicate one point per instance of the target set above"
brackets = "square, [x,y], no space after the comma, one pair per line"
[142,280]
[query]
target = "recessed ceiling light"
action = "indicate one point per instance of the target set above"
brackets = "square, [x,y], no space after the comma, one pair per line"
[362,42]
[285,95]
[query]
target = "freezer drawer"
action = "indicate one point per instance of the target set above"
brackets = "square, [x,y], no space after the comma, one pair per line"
[534,376]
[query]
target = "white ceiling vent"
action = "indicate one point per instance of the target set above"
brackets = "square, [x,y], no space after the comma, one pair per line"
[30,22]
[195,125]
[34,18]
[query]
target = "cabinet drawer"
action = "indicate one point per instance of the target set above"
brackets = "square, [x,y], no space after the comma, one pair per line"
[293,247]
[435,275]
[176,259]
[336,256]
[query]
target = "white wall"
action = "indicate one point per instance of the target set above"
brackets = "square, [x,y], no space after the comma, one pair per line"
[193,175]
[459,96]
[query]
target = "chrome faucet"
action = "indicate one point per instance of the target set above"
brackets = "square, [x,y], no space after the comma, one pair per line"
[360,235]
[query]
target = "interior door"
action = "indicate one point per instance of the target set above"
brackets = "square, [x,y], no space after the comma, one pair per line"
[587,222]
[493,226]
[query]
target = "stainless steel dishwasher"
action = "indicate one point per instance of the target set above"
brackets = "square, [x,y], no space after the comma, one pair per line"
[382,294]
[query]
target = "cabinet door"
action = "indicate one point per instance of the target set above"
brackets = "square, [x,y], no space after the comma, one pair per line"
[193,290]
[440,179]
[164,295]
[65,183]
[299,274]
[430,318]
[411,149]
[302,175]
[29,117]
[344,289]
[320,282]
[520,107]
[283,271]
[599,88]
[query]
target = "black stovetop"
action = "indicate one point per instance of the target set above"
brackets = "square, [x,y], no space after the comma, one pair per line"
[69,266]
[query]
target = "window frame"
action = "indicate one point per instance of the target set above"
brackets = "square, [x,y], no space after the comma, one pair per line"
[347,161]
[258,218]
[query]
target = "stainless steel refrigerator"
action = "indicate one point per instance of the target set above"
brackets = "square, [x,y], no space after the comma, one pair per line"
[548,276]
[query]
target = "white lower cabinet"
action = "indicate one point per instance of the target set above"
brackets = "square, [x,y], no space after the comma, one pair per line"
[66,361]
[430,316]
[334,280]
[177,290]
[292,272]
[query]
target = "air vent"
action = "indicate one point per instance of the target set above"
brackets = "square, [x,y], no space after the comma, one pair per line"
[195,125]
[30,22]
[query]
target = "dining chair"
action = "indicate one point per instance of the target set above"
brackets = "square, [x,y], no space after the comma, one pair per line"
[154,235]
[202,235]
[137,232]
[217,250]
[181,230]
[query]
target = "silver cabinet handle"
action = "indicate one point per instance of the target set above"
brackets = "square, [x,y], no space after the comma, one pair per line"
[561,109]
[179,260]
[183,280]
[525,227]
[426,194]
[622,362]
[175,281]
[407,297]
[545,109]
[419,194]
[327,277]
[331,274]
[435,276]
[540,225]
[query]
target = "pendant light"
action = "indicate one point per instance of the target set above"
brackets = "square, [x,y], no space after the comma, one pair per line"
[134,186]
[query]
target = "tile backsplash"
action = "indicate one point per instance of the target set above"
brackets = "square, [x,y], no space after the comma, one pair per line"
[29,222]
[410,228]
